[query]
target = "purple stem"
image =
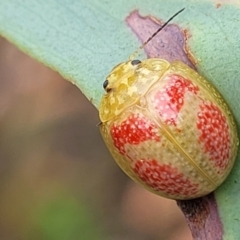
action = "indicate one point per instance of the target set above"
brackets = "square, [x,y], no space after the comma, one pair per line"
[201,214]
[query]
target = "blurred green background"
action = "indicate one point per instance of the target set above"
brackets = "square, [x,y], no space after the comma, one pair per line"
[57,178]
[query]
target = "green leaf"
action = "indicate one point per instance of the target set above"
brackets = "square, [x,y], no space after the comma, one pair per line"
[83,40]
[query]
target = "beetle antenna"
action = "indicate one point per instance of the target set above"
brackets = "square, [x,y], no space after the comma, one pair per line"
[154,34]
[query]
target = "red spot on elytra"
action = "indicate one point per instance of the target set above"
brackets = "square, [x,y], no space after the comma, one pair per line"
[169,100]
[134,130]
[164,178]
[214,136]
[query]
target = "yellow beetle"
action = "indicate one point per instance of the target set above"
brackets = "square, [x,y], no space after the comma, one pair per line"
[167,127]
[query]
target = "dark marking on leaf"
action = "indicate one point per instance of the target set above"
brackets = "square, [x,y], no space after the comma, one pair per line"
[169,44]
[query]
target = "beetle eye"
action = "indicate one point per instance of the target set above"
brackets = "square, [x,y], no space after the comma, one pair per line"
[135,62]
[105,84]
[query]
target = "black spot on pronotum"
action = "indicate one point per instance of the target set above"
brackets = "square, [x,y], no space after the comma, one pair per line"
[135,62]
[105,84]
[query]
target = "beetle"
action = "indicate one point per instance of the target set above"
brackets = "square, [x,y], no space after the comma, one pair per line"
[167,127]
